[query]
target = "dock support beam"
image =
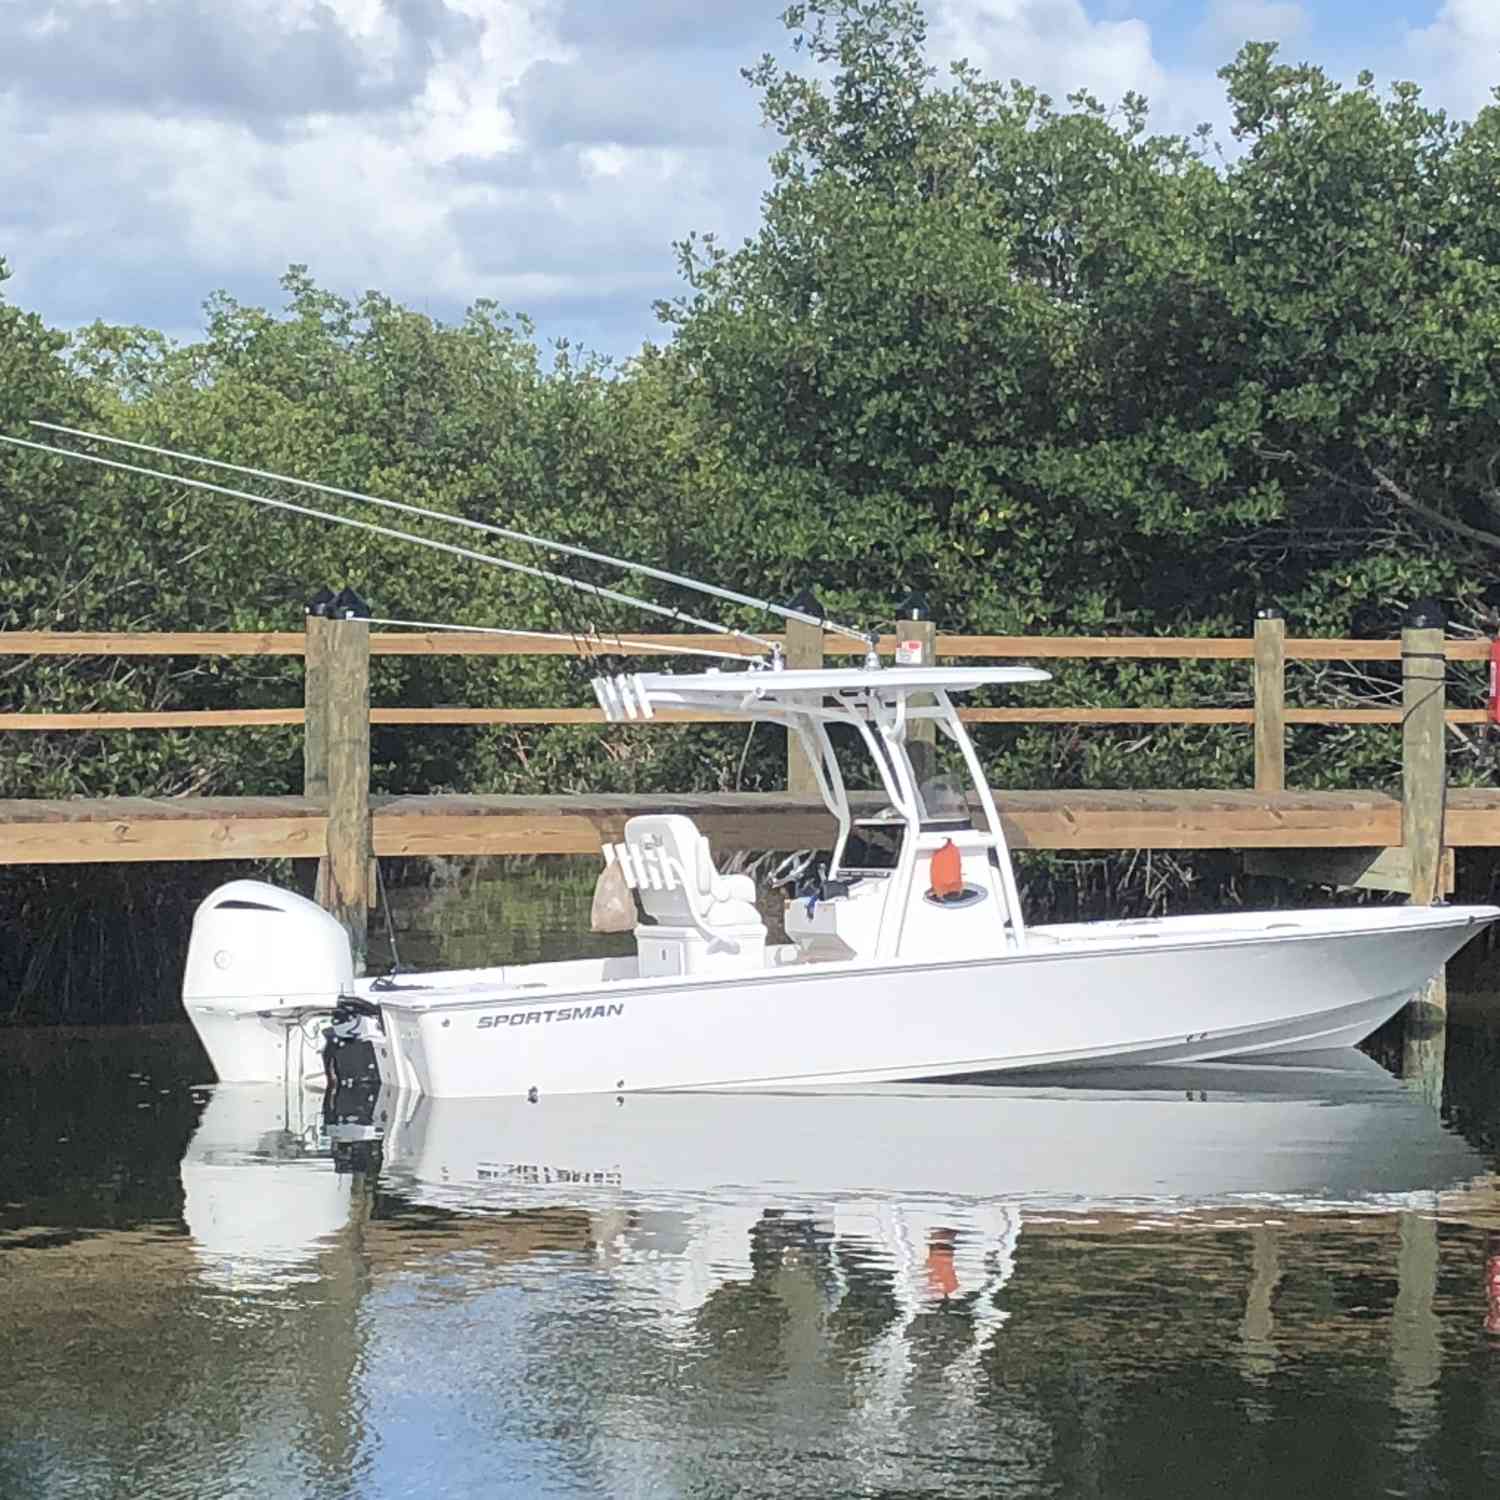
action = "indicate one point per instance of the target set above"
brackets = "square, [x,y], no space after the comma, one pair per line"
[804,648]
[1270,701]
[1424,780]
[347,719]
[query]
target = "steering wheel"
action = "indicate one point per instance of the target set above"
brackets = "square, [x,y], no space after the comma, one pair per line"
[792,868]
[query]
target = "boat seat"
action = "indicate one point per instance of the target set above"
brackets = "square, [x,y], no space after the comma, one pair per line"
[668,862]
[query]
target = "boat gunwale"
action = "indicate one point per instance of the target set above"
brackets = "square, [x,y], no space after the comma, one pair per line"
[1419,919]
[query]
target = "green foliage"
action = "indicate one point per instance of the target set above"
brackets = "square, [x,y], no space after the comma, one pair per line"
[1052,363]
[1068,375]
[362,395]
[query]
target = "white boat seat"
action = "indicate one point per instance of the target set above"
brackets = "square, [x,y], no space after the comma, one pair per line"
[669,863]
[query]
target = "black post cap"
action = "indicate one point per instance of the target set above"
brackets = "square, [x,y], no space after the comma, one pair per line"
[1269,612]
[914,607]
[349,606]
[321,604]
[1426,614]
[807,602]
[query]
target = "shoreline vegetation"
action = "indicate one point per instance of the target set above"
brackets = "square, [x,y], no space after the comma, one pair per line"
[1057,372]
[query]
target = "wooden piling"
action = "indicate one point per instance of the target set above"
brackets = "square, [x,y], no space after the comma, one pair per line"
[315,706]
[1424,771]
[804,648]
[1270,701]
[350,847]
[315,718]
[1423,758]
[921,736]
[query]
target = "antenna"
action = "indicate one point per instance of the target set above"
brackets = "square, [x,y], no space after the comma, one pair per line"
[596,590]
[786,612]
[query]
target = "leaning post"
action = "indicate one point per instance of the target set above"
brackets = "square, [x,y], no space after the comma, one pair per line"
[350,845]
[804,648]
[916,646]
[1270,700]
[1424,768]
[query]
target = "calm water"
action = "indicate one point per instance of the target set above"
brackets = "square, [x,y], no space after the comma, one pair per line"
[1240,1280]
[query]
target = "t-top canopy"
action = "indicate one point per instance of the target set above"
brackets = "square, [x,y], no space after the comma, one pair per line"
[637,695]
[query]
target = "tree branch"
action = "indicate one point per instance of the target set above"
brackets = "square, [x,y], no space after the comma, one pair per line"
[1393,491]
[1428,513]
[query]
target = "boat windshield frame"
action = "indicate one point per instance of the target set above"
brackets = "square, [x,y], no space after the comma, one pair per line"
[877,704]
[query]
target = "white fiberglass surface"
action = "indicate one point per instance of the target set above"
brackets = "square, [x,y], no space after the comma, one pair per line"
[572,973]
[520,980]
[842,680]
[1230,925]
[516,981]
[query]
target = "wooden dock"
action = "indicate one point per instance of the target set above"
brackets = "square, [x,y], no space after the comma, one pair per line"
[1351,837]
[133,829]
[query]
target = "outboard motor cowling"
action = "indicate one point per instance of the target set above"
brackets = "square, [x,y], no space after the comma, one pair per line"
[259,961]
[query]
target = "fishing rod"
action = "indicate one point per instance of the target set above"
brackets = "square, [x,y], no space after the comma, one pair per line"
[785,612]
[597,591]
[617,644]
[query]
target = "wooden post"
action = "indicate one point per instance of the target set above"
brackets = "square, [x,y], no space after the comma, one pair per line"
[350,847]
[1424,773]
[916,645]
[1270,701]
[804,648]
[1423,750]
[319,627]
[316,646]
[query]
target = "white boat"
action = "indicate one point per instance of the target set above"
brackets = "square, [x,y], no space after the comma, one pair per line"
[908,956]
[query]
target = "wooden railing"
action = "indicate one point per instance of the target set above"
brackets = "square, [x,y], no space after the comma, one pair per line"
[337,715]
[1269,676]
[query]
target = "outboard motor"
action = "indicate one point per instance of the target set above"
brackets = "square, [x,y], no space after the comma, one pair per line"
[262,964]
[350,1058]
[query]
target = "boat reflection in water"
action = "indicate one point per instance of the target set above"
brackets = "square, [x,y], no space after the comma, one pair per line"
[253,1228]
[685,1193]
[828,1292]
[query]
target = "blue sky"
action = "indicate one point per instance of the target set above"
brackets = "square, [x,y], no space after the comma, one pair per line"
[543,153]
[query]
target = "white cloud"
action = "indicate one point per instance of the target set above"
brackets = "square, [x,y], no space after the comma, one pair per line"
[262,62]
[1054,44]
[145,163]
[1229,24]
[1458,55]
[545,153]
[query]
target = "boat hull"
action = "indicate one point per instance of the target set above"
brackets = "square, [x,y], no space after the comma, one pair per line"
[1181,990]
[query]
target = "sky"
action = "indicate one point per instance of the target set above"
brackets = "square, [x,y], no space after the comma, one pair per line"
[544,154]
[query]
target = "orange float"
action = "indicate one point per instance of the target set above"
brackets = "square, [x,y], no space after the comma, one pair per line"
[947,872]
